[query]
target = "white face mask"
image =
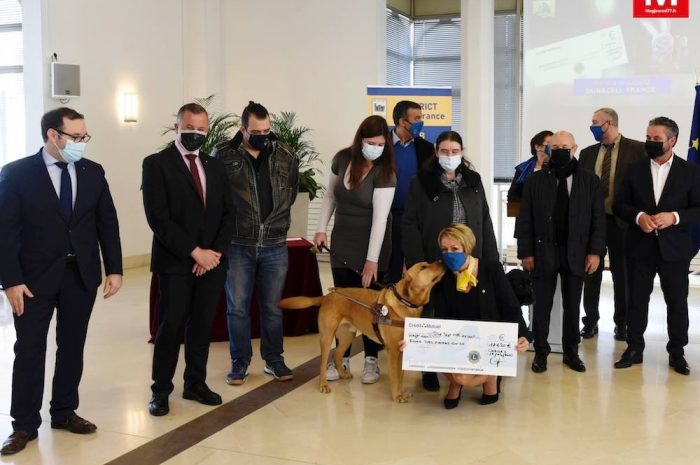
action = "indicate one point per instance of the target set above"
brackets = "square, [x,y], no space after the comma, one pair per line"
[450,163]
[372,152]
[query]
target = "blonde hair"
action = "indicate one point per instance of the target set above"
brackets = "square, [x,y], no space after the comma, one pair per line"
[460,233]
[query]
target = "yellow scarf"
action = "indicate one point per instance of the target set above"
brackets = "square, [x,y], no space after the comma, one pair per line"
[466,278]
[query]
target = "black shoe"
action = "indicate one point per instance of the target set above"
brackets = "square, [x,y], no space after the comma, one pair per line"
[539,364]
[575,363]
[679,364]
[74,424]
[453,403]
[620,333]
[431,382]
[158,405]
[202,394]
[17,441]
[589,331]
[629,357]
[279,370]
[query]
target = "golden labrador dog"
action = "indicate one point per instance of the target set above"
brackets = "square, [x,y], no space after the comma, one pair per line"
[345,310]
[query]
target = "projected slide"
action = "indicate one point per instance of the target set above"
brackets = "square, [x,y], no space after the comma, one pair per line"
[582,55]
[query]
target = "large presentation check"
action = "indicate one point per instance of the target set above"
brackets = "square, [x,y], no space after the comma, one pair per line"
[460,346]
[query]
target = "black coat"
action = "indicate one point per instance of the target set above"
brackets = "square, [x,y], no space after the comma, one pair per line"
[535,227]
[630,152]
[429,210]
[175,212]
[681,194]
[497,302]
[35,238]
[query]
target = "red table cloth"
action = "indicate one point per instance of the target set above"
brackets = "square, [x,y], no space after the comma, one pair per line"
[302,279]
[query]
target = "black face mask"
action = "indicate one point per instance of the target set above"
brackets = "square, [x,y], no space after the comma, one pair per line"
[192,140]
[258,141]
[654,148]
[559,158]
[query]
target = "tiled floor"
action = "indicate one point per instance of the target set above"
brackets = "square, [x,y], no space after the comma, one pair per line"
[642,415]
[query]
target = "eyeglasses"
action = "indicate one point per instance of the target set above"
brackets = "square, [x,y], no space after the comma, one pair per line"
[86,138]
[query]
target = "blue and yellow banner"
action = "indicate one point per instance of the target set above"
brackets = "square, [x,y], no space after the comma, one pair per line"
[435,102]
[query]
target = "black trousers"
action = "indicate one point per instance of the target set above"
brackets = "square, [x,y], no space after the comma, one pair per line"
[396,262]
[187,303]
[674,284]
[73,304]
[614,241]
[545,287]
[344,277]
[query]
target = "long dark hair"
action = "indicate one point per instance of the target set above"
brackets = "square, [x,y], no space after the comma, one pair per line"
[371,126]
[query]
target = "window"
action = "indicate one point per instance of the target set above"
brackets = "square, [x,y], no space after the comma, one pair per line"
[425,53]
[506,97]
[11,82]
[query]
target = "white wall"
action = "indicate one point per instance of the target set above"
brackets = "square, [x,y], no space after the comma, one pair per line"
[130,45]
[314,57]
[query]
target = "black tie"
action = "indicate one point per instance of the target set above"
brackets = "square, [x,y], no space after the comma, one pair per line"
[561,212]
[66,197]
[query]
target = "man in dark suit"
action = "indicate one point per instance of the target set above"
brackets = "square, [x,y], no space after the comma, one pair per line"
[560,231]
[609,160]
[660,200]
[56,214]
[189,208]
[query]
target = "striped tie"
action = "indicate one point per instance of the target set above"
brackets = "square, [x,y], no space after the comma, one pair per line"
[605,170]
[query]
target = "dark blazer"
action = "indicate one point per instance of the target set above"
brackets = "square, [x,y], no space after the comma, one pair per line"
[175,212]
[535,228]
[35,238]
[429,210]
[681,194]
[630,152]
[497,301]
[424,151]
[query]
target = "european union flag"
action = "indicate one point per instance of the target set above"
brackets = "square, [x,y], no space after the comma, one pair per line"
[694,157]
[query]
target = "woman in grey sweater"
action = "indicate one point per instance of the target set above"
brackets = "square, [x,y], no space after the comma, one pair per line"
[360,191]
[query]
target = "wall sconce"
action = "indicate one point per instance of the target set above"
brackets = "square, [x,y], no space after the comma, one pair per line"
[130,107]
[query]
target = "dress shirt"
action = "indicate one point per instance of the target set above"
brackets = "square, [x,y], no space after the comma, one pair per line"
[202,176]
[55,174]
[659,175]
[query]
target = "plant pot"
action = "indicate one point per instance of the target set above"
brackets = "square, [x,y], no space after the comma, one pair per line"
[299,216]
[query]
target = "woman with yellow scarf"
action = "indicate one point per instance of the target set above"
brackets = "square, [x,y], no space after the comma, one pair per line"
[476,290]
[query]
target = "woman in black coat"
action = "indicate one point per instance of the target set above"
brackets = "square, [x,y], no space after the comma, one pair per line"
[476,290]
[445,191]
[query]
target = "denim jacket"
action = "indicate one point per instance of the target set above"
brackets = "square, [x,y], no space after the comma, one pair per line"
[284,177]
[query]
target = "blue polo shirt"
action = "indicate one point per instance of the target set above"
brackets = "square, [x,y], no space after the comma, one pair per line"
[406,168]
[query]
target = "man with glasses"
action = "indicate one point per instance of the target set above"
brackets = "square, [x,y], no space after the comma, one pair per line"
[264,176]
[56,214]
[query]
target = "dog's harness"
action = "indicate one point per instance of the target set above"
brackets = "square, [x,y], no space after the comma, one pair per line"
[380,312]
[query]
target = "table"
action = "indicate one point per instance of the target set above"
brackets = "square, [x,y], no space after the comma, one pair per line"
[302,279]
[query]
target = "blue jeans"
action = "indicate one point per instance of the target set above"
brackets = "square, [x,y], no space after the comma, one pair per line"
[264,268]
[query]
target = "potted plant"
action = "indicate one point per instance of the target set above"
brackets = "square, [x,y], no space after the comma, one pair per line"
[295,137]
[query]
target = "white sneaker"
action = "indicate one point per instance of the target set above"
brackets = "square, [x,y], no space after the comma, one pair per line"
[370,372]
[332,373]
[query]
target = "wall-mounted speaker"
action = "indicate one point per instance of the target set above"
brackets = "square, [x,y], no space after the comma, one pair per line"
[65,80]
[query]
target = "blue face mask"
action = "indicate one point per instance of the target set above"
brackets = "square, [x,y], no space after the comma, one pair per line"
[454,260]
[597,132]
[548,150]
[416,128]
[73,152]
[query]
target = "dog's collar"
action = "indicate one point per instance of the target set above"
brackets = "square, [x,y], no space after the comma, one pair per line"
[401,298]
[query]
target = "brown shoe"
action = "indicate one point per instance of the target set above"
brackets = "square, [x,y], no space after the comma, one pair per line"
[75,424]
[16,442]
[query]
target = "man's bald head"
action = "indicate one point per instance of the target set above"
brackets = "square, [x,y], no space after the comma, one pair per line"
[563,140]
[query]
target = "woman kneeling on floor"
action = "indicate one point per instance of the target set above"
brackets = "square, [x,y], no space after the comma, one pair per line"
[476,290]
